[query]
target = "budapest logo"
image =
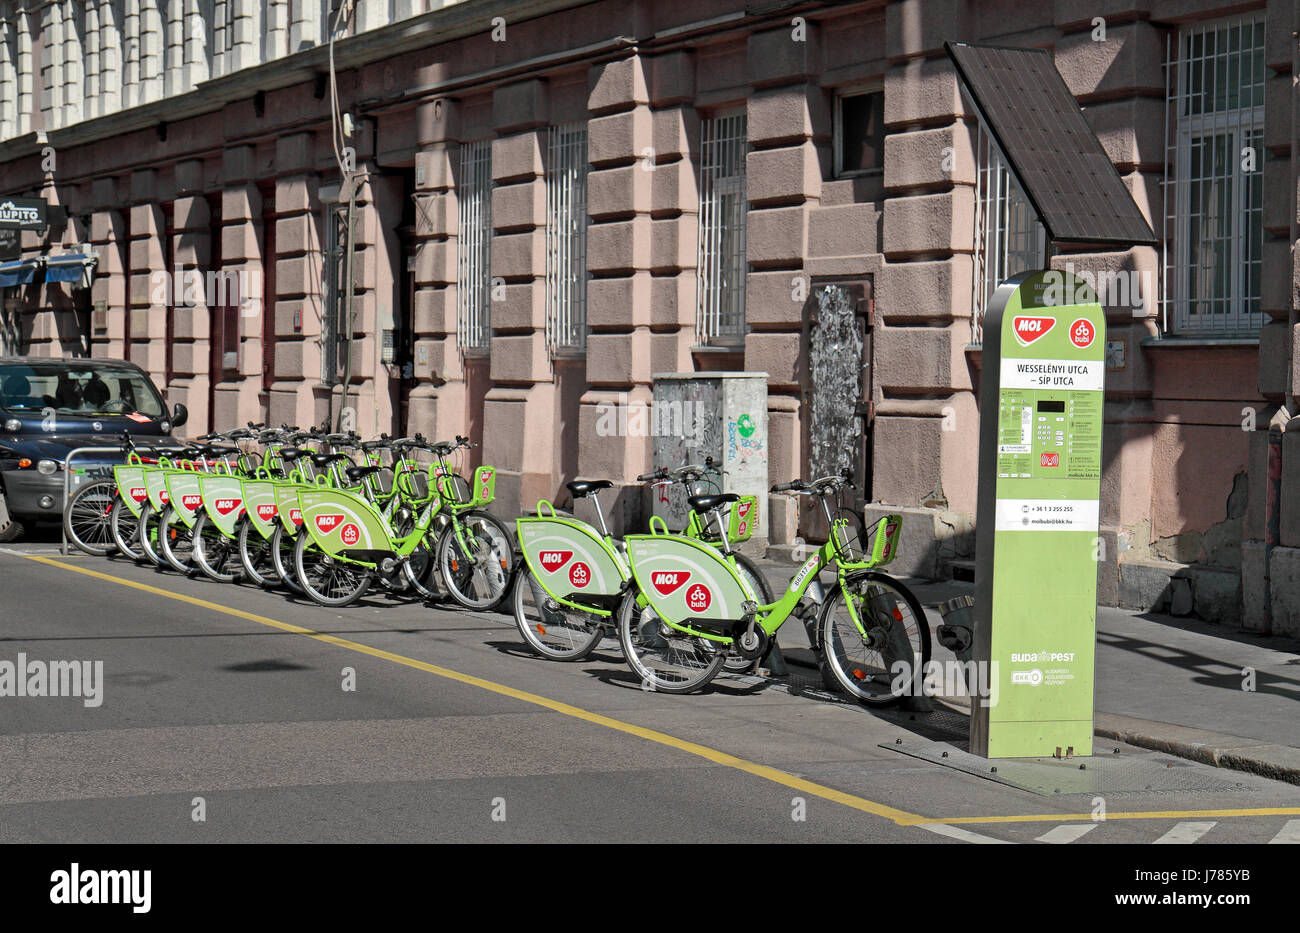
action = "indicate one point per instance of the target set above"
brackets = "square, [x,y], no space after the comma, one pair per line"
[1028,327]
[327,523]
[698,598]
[226,506]
[1082,333]
[668,581]
[350,534]
[139,494]
[554,560]
[579,574]
[266,512]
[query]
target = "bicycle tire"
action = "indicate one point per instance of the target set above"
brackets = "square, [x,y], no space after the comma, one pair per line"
[492,571]
[147,536]
[282,558]
[214,553]
[126,531]
[543,629]
[749,570]
[255,556]
[86,518]
[638,629]
[899,632]
[175,542]
[326,580]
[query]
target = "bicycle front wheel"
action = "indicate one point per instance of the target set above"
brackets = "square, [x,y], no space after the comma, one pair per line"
[146,536]
[282,560]
[176,541]
[886,659]
[665,660]
[87,518]
[126,530]
[328,580]
[479,579]
[559,634]
[214,552]
[255,555]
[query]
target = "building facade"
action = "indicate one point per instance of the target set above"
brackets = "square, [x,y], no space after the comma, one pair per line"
[558,200]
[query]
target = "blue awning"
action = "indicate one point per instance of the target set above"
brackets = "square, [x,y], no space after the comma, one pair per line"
[71,267]
[18,272]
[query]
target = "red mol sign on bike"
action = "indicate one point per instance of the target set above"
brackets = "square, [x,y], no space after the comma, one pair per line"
[267,512]
[350,534]
[698,598]
[554,560]
[191,501]
[327,523]
[295,516]
[226,506]
[579,574]
[668,581]
[139,493]
[743,509]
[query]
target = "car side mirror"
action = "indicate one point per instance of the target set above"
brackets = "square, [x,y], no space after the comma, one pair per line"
[180,414]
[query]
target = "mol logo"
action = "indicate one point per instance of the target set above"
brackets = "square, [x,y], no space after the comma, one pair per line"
[668,581]
[226,506]
[139,493]
[579,574]
[698,598]
[164,497]
[1028,327]
[742,510]
[486,483]
[191,501]
[295,516]
[266,512]
[350,534]
[327,523]
[554,560]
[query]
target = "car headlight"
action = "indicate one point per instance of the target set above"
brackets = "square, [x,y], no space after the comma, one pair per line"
[14,425]
[47,467]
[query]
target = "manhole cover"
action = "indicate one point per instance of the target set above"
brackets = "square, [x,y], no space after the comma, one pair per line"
[1049,777]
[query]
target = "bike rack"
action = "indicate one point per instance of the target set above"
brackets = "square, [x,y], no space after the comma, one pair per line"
[67,486]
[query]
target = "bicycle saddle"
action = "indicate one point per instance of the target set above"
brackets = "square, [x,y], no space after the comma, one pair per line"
[324,460]
[707,503]
[355,473]
[290,454]
[581,488]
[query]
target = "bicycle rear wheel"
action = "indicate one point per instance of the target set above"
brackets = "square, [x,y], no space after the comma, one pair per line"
[214,552]
[176,541]
[559,634]
[147,535]
[889,661]
[666,660]
[328,580]
[87,518]
[282,560]
[126,530]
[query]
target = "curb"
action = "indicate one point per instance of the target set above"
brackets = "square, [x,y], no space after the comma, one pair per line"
[1277,762]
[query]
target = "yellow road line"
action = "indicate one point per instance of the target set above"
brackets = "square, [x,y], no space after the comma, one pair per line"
[900,817]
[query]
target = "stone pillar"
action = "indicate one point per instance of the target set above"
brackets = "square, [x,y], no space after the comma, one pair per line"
[110,59]
[277,28]
[304,25]
[8,72]
[173,12]
[147,307]
[437,401]
[73,67]
[151,50]
[51,34]
[245,45]
[192,252]
[621,254]
[108,240]
[93,54]
[195,39]
[518,412]
[132,52]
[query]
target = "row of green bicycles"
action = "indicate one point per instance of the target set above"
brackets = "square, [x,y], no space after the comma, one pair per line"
[328,516]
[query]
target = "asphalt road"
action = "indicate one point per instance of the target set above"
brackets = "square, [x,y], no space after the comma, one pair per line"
[229,703]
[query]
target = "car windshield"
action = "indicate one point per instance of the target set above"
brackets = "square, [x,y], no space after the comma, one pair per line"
[77,390]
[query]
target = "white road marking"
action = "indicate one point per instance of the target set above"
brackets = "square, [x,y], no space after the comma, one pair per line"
[1066,833]
[1289,834]
[963,835]
[1184,833]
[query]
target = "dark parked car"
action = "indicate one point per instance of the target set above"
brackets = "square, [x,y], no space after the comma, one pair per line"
[51,406]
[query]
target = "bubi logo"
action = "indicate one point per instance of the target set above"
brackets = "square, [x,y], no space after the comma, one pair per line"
[327,523]
[668,581]
[266,512]
[1028,327]
[226,506]
[1049,460]
[698,598]
[579,574]
[191,501]
[1082,333]
[295,516]
[139,494]
[554,560]
[350,534]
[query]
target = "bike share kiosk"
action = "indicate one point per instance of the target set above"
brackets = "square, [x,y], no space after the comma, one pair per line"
[1041,397]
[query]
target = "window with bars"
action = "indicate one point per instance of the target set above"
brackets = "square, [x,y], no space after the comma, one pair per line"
[720,313]
[473,269]
[1214,227]
[566,237]
[1009,238]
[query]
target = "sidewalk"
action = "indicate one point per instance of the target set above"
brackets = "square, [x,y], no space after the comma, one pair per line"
[1177,685]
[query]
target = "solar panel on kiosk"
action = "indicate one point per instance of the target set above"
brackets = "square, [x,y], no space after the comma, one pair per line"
[1053,152]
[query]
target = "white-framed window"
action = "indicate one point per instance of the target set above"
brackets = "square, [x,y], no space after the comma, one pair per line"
[1213,227]
[1009,238]
[474,245]
[566,237]
[859,131]
[720,312]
